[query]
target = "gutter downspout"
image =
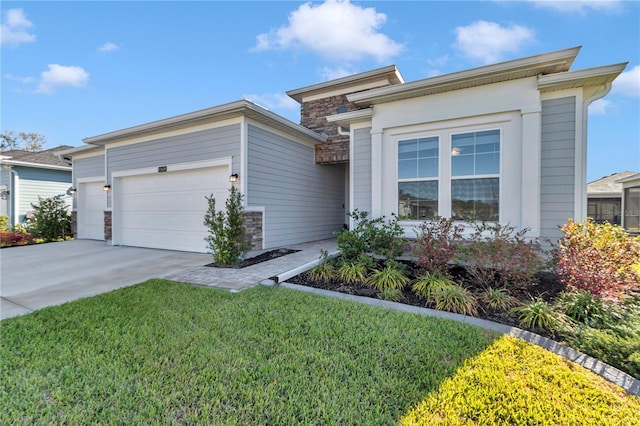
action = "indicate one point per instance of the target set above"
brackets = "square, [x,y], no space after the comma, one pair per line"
[13,195]
[585,119]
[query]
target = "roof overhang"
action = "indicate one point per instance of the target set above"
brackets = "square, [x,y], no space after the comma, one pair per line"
[597,78]
[10,162]
[241,108]
[629,179]
[548,63]
[386,76]
[346,118]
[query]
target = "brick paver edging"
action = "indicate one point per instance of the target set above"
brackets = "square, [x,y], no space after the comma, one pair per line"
[602,369]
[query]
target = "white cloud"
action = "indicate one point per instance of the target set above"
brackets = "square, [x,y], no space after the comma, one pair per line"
[274,101]
[336,30]
[489,42]
[329,73]
[14,28]
[60,76]
[579,6]
[600,107]
[628,83]
[23,80]
[108,47]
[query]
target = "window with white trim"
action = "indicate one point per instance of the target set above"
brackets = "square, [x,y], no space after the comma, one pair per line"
[475,176]
[418,178]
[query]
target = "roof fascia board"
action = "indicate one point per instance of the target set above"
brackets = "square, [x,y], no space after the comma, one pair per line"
[35,165]
[217,113]
[631,178]
[351,117]
[563,58]
[580,78]
[79,150]
[391,71]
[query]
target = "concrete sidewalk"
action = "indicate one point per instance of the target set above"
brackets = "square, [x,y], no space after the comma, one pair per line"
[33,277]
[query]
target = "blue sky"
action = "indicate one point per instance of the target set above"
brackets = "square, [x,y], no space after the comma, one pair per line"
[71,70]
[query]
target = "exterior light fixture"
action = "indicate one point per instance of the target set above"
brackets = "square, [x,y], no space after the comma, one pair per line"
[107,187]
[73,191]
[233,177]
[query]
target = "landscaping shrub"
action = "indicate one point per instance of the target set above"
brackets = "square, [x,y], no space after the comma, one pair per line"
[426,285]
[609,332]
[499,256]
[538,314]
[436,244]
[497,299]
[227,234]
[324,271]
[379,236]
[599,258]
[4,223]
[455,298]
[390,277]
[51,219]
[353,272]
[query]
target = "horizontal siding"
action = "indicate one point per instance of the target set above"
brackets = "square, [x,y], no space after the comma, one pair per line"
[88,167]
[557,173]
[41,183]
[303,201]
[197,146]
[362,170]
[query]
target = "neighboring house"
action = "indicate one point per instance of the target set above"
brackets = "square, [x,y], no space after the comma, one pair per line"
[631,203]
[604,198]
[27,175]
[504,142]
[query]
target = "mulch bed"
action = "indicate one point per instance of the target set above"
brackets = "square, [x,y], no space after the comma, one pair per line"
[546,286]
[269,255]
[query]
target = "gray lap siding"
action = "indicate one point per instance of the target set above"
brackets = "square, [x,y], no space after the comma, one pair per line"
[362,170]
[557,174]
[303,201]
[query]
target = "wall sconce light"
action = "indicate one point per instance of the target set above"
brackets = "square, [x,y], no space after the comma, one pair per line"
[73,191]
[4,194]
[107,187]
[233,177]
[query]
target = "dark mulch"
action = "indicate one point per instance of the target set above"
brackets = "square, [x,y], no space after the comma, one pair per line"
[546,286]
[269,255]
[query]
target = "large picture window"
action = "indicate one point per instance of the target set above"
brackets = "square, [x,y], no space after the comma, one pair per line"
[418,178]
[475,170]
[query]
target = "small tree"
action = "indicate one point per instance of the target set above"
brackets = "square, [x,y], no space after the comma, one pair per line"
[51,219]
[227,234]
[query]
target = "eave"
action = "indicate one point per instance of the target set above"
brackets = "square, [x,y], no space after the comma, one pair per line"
[548,63]
[347,118]
[241,108]
[598,78]
[389,75]
[34,165]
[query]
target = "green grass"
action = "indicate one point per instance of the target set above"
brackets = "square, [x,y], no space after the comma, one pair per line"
[169,353]
[162,352]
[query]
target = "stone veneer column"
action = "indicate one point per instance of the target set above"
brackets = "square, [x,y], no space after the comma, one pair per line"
[253,225]
[74,224]
[107,225]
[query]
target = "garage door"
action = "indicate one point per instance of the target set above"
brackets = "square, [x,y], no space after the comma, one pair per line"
[166,210]
[91,200]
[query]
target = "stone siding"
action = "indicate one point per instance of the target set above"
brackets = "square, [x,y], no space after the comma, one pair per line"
[74,224]
[253,225]
[313,116]
[107,225]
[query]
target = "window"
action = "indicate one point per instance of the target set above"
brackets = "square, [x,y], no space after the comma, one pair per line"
[632,209]
[475,182]
[418,178]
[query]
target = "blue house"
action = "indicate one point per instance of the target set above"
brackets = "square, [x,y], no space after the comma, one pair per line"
[27,175]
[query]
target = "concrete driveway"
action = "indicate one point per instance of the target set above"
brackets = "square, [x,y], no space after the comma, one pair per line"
[33,277]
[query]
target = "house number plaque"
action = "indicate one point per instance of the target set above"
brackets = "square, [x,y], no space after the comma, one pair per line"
[162,169]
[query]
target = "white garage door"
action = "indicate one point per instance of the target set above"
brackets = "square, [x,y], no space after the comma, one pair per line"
[166,210]
[91,201]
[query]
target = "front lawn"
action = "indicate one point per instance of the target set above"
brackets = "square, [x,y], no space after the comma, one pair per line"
[163,352]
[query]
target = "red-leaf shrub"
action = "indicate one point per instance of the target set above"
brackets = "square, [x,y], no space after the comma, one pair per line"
[599,258]
[437,243]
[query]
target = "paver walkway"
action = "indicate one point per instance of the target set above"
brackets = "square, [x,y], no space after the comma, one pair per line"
[238,279]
